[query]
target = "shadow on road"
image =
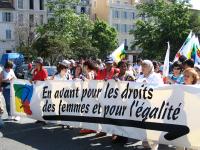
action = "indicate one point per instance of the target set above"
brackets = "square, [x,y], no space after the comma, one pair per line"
[53,137]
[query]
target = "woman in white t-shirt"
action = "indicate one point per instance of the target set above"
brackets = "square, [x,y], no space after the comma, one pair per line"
[7,76]
[63,72]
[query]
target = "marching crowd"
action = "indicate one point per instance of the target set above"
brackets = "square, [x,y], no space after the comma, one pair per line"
[183,71]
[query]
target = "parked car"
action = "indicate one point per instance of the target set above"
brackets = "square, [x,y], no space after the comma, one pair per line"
[21,71]
[51,70]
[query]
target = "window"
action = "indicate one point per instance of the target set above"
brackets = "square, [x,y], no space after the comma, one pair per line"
[132,15]
[131,27]
[31,20]
[8,34]
[117,27]
[41,19]
[20,19]
[31,4]
[83,10]
[20,4]
[124,28]
[95,3]
[124,15]
[115,14]
[7,17]
[41,4]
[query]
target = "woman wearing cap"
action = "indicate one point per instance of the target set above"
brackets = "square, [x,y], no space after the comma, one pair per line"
[39,73]
[109,72]
[62,71]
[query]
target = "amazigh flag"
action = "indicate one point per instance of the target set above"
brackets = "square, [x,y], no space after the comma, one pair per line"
[23,95]
[187,50]
[119,53]
[180,52]
[166,62]
[196,51]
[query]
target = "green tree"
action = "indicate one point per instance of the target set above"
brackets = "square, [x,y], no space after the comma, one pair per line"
[67,35]
[162,21]
[104,37]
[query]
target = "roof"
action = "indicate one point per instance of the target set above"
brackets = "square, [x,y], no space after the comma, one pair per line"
[6,5]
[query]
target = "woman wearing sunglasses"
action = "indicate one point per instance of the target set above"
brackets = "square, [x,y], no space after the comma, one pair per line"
[176,77]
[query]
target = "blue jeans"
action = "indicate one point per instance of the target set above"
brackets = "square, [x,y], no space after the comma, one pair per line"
[6,94]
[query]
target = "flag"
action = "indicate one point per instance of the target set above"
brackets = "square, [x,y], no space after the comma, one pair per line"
[166,62]
[196,51]
[179,53]
[119,53]
[187,50]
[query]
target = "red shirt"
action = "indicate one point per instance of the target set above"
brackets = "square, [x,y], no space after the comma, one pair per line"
[102,74]
[40,75]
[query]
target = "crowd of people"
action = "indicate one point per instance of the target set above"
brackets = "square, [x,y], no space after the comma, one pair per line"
[183,71]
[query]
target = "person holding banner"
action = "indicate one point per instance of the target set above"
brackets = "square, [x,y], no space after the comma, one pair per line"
[149,76]
[78,73]
[109,72]
[176,77]
[190,76]
[7,76]
[197,69]
[62,71]
[89,70]
[1,111]
[39,73]
[124,75]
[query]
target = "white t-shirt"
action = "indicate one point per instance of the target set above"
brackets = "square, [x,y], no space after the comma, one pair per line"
[8,75]
[153,78]
[59,77]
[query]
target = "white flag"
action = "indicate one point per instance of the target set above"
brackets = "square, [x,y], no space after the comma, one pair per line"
[166,62]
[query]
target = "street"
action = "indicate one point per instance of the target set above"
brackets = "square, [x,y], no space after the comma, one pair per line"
[25,134]
[28,135]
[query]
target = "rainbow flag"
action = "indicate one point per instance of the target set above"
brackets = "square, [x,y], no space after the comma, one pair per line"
[119,53]
[196,51]
[183,50]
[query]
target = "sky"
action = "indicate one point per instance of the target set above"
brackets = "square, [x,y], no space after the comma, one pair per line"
[195,4]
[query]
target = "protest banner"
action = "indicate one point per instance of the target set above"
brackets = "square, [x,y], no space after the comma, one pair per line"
[167,114]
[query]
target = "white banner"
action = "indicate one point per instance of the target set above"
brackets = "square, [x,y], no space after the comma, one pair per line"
[167,114]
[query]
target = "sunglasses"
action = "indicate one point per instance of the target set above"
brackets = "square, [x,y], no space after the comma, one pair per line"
[177,68]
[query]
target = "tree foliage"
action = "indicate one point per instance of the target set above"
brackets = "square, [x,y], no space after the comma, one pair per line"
[104,38]
[71,35]
[162,21]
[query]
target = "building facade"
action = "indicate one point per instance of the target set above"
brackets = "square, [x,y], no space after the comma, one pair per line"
[82,7]
[118,13]
[18,19]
